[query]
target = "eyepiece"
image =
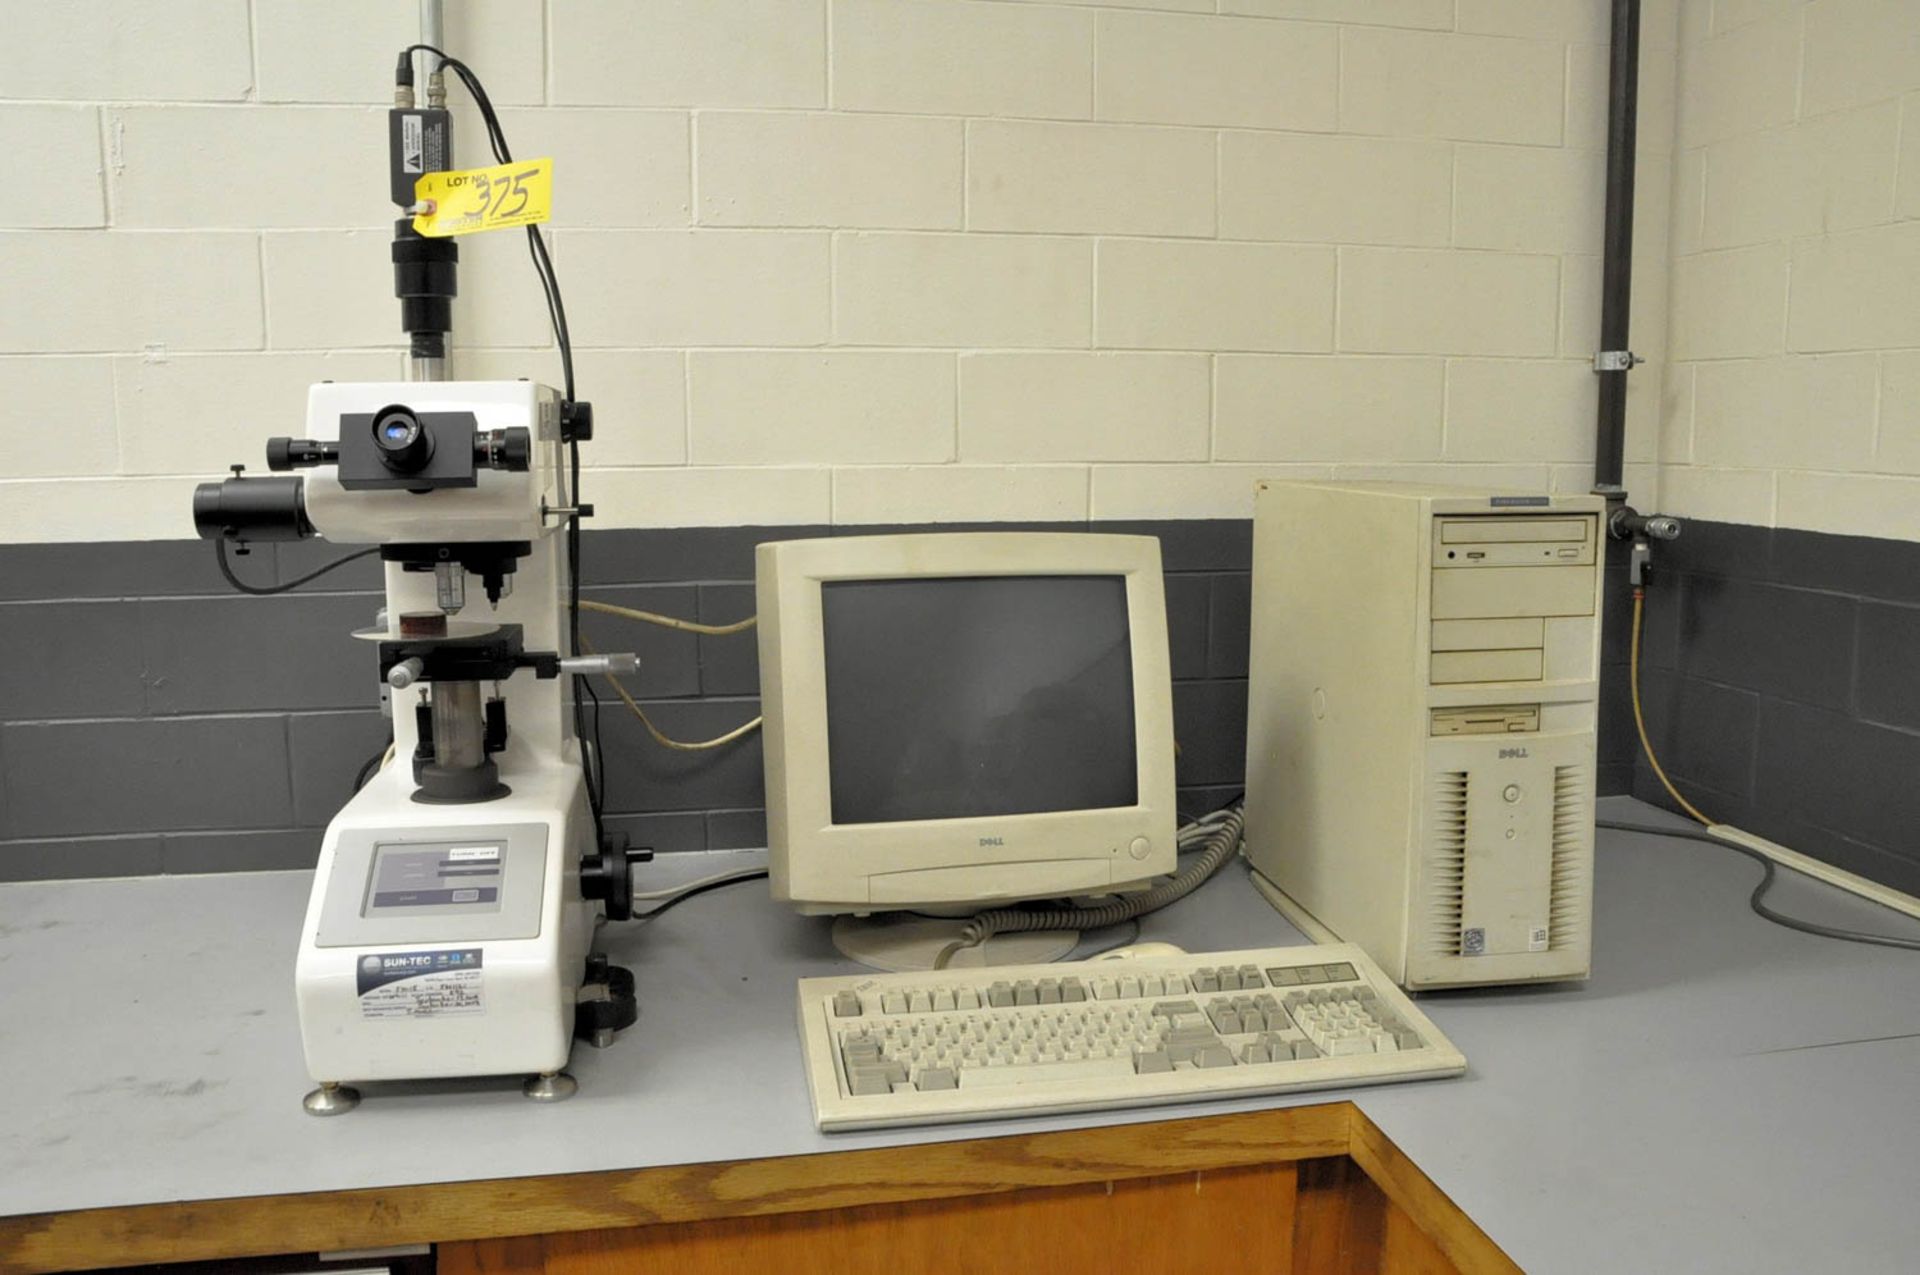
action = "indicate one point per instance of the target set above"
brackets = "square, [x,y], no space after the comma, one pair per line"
[403,443]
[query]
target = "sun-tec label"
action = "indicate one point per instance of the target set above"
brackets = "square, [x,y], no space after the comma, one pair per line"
[419,984]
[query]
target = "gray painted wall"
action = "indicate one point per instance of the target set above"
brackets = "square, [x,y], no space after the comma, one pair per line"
[1782,690]
[152,721]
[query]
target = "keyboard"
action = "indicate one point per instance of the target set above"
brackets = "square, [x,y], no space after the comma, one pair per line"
[979,1044]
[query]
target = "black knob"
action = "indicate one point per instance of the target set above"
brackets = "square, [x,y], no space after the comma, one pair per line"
[608,875]
[402,441]
[576,422]
[509,449]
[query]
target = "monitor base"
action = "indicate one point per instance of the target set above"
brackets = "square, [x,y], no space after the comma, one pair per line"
[898,941]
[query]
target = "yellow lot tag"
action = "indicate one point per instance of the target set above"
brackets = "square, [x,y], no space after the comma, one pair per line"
[460,203]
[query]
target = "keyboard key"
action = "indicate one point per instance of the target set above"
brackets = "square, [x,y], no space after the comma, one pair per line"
[846,1004]
[1150,1061]
[1043,1073]
[937,1078]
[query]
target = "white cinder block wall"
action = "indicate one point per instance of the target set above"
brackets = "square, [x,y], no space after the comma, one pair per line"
[1793,398]
[869,260]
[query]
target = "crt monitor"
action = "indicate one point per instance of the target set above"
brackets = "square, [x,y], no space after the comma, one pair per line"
[959,721]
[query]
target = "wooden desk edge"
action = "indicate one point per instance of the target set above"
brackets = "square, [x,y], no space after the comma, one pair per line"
[502,1207]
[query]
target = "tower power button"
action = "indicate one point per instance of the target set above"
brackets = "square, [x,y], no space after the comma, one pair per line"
[1511,792]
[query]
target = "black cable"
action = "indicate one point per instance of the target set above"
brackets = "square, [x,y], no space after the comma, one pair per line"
[265,590]
[372,764]
[678,899]
[536,245]
[1757,900]
[592,765]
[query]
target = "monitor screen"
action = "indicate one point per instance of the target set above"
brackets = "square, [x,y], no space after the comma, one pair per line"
[953,698]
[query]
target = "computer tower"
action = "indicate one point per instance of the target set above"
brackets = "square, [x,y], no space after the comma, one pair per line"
[1421,711]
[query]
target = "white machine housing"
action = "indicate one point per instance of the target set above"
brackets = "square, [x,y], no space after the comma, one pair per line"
[496,986]
[825,868]
[1423,683]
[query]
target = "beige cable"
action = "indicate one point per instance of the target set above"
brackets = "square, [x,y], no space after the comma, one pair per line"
[667,741]
[1639,719]
[670,622]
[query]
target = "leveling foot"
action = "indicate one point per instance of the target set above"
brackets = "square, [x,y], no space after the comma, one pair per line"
[551,1086]
[331,1099]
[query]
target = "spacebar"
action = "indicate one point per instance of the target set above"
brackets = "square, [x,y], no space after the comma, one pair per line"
[1045,1073]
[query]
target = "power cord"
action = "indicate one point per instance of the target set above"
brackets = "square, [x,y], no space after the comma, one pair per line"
[669,621]
[1769,872]
[686,892]
[667,741]
[1639,717]
[267,590]
[1757,900]
[372,765]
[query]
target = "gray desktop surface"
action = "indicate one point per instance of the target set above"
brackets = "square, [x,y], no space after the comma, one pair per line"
[1722,1095]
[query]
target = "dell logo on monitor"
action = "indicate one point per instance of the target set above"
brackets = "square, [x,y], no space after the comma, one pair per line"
[993,841]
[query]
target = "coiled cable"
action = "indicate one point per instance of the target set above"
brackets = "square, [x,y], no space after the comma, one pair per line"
[1219,841]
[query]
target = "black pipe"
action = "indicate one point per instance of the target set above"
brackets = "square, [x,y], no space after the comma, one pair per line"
[1616,270]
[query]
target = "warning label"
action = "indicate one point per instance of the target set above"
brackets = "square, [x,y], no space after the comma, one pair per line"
[420,984]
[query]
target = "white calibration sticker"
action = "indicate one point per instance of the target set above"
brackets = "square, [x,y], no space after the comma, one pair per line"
[1537,939]
[420,984]
[466,853]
